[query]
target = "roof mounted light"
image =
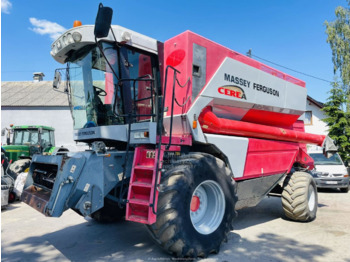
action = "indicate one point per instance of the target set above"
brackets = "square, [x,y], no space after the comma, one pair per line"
[126,37]
[77,23]
[59,45]
[70,39]
[77,37]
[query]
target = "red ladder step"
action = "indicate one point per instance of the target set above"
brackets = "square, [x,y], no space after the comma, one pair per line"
[142,184]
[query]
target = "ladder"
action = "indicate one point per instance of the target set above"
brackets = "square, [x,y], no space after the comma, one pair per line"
[139,207]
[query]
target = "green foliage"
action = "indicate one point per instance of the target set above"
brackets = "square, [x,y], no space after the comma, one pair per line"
[338,120]
[338,33]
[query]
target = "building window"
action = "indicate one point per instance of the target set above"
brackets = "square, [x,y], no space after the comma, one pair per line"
[308,118]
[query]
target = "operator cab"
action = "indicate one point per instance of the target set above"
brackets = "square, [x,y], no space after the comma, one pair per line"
[112,84]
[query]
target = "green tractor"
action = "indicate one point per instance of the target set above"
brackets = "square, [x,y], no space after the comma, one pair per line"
[26,141]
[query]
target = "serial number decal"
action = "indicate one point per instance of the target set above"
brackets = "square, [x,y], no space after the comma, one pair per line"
[86,188]
[150,154]
[73,168]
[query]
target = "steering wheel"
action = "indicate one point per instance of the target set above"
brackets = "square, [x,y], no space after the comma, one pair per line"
[100,91]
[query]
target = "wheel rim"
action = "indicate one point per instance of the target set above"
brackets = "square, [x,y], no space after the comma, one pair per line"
[312,198]
[207,207]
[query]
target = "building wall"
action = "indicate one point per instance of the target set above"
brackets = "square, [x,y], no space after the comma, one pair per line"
[56,117]
[318,126]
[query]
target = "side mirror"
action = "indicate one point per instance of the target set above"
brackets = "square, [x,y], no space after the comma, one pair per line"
[57,79]
[3,132]
[346,163]
[103,21]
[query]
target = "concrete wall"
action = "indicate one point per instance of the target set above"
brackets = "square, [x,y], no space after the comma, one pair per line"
[56,117]
[318,126]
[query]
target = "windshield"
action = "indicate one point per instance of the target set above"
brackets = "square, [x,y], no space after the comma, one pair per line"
[100,98]
[320,159]
[25,136]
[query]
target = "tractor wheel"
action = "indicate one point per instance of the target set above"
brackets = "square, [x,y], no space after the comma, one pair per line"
[18,167]
[110,212]
[299,197]
[196,206]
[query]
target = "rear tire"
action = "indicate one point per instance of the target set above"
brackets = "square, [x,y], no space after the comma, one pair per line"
[299,197]
[196,206]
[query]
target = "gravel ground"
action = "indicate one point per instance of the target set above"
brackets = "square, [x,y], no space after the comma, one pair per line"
[261,234]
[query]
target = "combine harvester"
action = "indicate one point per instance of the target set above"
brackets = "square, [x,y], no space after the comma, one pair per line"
[182,134]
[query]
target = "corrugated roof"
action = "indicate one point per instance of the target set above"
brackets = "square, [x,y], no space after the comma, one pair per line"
[29,93]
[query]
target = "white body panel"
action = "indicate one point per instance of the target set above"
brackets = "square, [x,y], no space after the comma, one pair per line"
[285,97]
[235,149]
[62,46]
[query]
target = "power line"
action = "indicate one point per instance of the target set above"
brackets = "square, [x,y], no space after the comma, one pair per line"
[249,53]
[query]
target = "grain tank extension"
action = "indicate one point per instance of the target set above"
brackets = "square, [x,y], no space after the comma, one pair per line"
[181,134]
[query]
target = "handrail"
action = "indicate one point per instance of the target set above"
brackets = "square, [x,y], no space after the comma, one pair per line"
[160,122]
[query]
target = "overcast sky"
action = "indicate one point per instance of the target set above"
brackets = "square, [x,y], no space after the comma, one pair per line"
[289,33]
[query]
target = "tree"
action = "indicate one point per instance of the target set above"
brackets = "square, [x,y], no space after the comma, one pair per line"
[338,33]
[337,120]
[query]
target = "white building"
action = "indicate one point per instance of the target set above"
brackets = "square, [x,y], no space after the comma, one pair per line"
[313,117]
[36,103]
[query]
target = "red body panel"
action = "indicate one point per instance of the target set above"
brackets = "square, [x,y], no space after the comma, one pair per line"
[266,157]
[178,52]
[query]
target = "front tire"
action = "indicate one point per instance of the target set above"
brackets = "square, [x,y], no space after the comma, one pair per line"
[196,206]
[299,197]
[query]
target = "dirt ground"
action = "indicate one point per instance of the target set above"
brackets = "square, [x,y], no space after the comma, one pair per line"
[261,234]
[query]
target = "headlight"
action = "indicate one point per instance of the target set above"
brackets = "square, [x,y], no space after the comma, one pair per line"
[77,37]
[59,45]
[70,39]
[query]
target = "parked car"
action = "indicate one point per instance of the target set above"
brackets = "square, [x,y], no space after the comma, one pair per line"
[330,172]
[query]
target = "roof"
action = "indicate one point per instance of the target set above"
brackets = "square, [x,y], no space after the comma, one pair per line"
[317,103]
[29,93]
[34,127]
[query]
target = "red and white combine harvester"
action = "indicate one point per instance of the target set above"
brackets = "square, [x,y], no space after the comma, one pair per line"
[181,135]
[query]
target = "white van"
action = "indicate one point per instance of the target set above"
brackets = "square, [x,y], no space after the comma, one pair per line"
[329,172]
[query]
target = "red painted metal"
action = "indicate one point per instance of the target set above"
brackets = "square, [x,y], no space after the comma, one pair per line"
[142,184]
[178,52]
[195,203]
[269,118]
[177,140]
[210,123]
[267,157]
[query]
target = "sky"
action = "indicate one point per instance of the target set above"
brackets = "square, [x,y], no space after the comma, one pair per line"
[290,33]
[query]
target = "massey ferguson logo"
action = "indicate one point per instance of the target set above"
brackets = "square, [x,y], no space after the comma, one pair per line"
[233,91]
